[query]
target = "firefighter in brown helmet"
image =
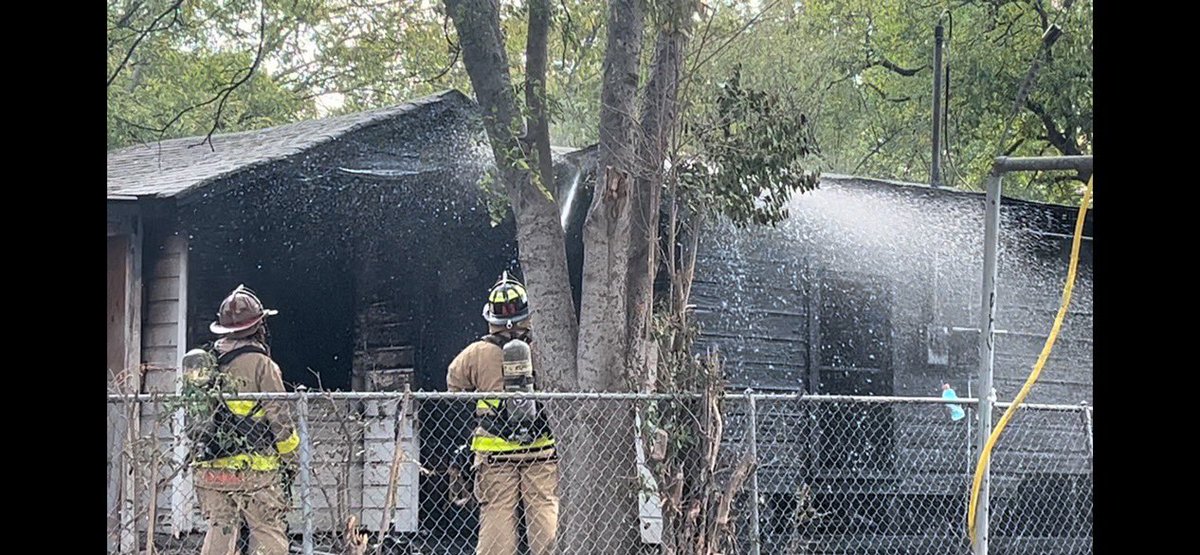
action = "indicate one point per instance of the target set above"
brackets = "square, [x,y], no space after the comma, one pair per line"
[243,449]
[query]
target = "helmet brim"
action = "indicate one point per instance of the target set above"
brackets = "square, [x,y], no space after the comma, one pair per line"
[496,321]
[218,329]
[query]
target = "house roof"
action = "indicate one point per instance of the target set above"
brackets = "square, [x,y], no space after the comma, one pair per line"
[174,167]
[926,188]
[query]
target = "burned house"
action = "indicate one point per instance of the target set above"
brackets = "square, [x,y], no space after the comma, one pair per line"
[365,231]
[369,233]
[872,288]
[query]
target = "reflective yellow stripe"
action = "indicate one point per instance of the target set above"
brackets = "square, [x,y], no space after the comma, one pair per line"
[504,295]
[288,445]
[491,444]
[242,462]
[242,408]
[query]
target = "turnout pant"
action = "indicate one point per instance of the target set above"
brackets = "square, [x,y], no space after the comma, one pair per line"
[230,497]
[500,481]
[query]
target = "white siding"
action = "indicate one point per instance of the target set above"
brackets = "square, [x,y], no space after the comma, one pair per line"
[352,459]
[163,345]
[649,505]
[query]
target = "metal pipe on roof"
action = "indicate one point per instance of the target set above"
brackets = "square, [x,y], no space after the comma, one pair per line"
[1005,164]
[935,172]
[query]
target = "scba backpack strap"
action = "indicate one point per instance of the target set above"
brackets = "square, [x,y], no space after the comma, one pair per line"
[498,421]
[501,339]
[229,433]
[225,359]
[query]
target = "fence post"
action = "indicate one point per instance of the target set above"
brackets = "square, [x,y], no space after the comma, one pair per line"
[128,543]
[1087,424]
[305,471]
[987,352]
[755,538]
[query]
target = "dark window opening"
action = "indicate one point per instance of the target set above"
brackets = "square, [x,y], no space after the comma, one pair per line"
[853,334]
[846,513]
[1048,505]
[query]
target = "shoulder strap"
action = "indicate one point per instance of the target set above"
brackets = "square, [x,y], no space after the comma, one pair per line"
[225,359]
[501,339]
[496,339]
[228,357]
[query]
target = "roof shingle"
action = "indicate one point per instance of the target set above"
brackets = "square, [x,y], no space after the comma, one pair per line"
[174,167]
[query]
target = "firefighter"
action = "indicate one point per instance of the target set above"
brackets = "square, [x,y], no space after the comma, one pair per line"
[513,449]
[243,452]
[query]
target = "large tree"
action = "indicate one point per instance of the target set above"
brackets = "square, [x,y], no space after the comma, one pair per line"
[748,166]
[520,147]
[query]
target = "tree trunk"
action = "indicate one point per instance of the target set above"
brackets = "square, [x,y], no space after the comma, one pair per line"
[539,235]
[659,120]
[608,351]
[600,458]
[535,90]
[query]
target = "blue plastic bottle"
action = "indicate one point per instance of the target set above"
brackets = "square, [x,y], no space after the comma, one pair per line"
[956,412]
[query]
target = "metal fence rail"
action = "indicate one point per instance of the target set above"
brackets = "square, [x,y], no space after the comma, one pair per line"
[831,474]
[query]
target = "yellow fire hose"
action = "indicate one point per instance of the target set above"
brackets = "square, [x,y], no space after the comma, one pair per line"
[1037,367]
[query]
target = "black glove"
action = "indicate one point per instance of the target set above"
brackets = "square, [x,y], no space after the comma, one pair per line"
[288,473]
[462,477]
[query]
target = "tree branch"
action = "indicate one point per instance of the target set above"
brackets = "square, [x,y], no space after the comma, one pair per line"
[884,95]
[567,31]
[130,10]
[537,141]
[840,80]
[141,36]
[720,48]
[1008,29]
[1041,11]
[1059,140]
[878,146]
[223,94]
[894,68]
[1008,151]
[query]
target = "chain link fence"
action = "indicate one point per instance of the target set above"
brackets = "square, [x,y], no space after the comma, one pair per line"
[381,473]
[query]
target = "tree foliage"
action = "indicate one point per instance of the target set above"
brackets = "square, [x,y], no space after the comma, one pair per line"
[753,149]
[865,68]
[170,63]
[860,70]
[180,68]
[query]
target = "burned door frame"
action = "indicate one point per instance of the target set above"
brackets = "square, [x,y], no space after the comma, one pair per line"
[885,289]
[124,233]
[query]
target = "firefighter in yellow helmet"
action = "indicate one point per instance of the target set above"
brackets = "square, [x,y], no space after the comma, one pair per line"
[514,455]
[242,450]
